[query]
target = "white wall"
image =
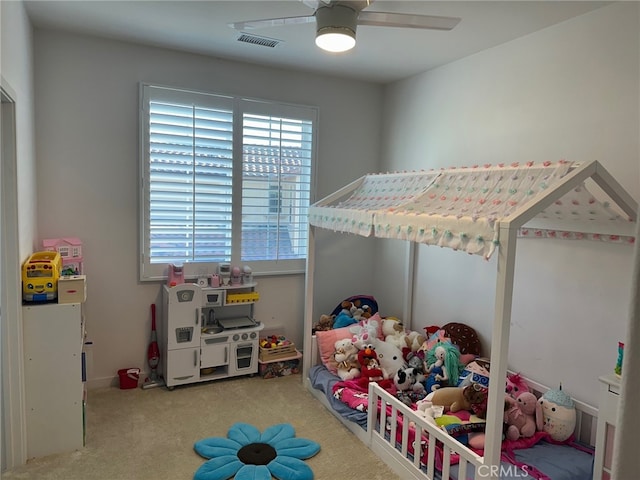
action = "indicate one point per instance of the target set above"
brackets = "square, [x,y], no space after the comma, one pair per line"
[17,70]
[17,76]
[87,150]
[569,91]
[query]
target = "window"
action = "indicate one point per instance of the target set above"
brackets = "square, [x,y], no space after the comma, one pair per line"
[224,179]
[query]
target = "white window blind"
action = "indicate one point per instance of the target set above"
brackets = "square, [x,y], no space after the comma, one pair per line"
[224,180]
[276,187]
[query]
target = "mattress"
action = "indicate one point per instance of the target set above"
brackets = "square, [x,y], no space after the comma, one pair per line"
[543,461]
[323,380]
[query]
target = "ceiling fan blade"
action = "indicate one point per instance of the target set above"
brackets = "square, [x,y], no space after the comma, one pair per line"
[407,20]
[315,4]
[272,22]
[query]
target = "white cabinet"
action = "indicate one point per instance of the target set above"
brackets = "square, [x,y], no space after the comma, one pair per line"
[607,413]
[183,365]
[208,333]
[54,390]
[215,352]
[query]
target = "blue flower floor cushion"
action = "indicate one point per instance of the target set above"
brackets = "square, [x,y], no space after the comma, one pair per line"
[247,454]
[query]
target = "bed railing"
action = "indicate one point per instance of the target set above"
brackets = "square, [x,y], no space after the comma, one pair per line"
[396,433]
[400,435]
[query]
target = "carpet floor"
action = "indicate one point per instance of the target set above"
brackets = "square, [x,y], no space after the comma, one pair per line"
[149,434]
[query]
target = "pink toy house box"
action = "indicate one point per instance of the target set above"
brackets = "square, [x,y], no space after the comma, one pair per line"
[70,250]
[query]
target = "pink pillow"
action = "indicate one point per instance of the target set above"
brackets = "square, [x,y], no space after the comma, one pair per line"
[327,340]
[327,344]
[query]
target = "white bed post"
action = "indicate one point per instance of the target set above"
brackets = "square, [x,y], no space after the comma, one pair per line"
[499,349]
[407,302]
[307,347]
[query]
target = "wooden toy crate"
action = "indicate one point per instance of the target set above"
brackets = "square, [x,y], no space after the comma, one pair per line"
[280,368]
[275,353]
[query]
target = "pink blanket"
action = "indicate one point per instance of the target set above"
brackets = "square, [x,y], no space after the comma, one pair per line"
[355,393]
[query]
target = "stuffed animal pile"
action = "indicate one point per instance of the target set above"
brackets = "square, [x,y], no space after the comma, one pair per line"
[441,373]
[351,312]
[435,375]
[413,364]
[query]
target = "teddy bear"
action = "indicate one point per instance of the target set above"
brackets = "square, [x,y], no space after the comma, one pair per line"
[413,341]
[346,359]
[523,416]
[393,332]
[362,312]
[324,324]
[457,398]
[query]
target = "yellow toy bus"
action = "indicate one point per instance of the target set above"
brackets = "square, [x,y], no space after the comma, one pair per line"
[40,275]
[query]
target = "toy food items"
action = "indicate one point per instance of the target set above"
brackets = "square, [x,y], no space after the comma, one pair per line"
[40,274]
[273,341]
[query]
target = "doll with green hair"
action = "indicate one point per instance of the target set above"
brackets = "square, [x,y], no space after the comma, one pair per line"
[442,366]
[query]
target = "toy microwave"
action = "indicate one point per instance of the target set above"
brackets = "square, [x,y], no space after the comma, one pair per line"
[40,274]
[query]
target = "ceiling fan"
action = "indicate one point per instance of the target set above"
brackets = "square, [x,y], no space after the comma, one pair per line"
[336,22]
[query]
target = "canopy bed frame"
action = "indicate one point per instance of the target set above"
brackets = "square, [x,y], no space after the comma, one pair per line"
[480,210]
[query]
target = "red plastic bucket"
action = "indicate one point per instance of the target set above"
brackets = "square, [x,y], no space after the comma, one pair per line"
[128,377]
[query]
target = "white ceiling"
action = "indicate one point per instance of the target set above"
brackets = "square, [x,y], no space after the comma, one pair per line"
[382,54]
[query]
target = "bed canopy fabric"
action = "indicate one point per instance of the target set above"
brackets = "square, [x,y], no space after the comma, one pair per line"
[463,208]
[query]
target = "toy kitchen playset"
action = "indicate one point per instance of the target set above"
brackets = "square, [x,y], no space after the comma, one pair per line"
[208,329]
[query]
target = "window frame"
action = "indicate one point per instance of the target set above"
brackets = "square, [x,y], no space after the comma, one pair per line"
[240,105]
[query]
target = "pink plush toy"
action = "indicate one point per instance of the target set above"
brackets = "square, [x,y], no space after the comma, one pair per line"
[516,385]
[523,416]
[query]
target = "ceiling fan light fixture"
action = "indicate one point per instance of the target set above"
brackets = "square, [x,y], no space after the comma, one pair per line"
[336,39]
[336,28]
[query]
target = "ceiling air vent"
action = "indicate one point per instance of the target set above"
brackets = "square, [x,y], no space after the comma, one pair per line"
[256,40]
